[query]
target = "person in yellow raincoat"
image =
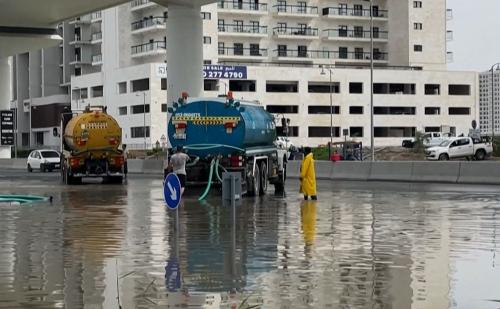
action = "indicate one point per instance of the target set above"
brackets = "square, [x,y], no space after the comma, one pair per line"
[308,176]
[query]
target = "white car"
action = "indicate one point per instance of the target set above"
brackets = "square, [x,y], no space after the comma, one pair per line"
[459,147]
[283,142]
[44,160]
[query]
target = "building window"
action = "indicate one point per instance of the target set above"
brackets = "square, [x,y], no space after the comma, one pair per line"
[255,49]
[242,85]
[122,87]
[459,89]
[356,131]
[206,15]
[210,84]
[459,111]
[432,110]
[39,138]
[323,87]
[283,109]
[324,131]
[417,4]
[238,49]
[139,109]
[282,50]
[97,91]
[432,89]
[417,48]
[417,26]
[84,93]
[284,86]
[394,131]
[432,129]
[164,108]
[163,85]
[323,109]
[382,88]
[78,71]
[137,132]
[122,110]
[393,110]
[355,87]
[140,84]
[356,110]
[207,40]
[343,52]
[207,62]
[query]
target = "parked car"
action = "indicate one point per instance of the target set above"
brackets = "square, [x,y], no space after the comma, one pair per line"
[44,160]
[284,142]
[429,139]
[460,147]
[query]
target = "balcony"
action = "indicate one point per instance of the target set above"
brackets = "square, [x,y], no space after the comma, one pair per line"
[360,14]
[149,24]
[96,17]
[300,11]
[149,49]
[137,5]
[78,60]
[354,35]
[310,55]
[96,60]
[449,14]
[96,38]
[82,20]
[295,33]
[79,41]
[251,31]
[449,35]
[235,7]
[232,53]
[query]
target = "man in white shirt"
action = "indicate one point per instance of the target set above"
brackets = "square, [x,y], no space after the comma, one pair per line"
[178,164]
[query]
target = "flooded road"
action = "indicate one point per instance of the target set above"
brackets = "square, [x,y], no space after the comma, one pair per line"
[369,246]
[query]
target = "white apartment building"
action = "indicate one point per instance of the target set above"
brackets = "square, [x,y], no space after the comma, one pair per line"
[489,102]
[117,58]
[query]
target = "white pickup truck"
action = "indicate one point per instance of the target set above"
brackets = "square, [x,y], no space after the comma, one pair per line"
[460,147]
[429,139]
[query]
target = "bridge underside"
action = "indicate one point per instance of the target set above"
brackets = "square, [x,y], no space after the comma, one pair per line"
[27,25]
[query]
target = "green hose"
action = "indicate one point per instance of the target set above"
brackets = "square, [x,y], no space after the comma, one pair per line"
[204,195]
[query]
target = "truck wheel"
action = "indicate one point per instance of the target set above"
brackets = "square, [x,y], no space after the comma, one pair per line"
[29,168]
[263,179]
[255,188]
[443,157]
[480,155]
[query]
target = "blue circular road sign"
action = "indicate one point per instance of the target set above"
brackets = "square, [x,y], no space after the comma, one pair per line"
[172,191]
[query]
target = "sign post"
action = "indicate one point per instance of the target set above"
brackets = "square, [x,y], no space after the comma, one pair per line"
[7,128]
[172,191]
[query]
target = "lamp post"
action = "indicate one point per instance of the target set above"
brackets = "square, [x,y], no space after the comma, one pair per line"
[372,130]
[144,119]
[331,109]
[497,65]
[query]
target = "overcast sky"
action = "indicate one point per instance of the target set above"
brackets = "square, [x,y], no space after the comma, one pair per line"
[476,34]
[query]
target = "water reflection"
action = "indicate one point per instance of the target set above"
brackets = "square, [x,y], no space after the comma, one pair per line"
[105,246]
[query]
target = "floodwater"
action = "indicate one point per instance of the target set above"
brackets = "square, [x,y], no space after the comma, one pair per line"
[357,247]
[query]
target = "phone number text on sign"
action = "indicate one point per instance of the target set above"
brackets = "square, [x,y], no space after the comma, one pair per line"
[224,71]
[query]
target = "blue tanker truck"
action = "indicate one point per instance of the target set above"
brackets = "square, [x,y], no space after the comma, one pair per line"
[223,134]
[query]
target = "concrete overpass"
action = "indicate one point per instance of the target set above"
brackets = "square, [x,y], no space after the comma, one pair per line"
[27,25]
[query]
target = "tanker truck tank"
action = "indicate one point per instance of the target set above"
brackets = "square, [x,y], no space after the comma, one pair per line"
[215,126]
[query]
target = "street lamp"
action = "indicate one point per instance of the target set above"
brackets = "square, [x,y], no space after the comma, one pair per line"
[497,65]
[144,119]
[331,109]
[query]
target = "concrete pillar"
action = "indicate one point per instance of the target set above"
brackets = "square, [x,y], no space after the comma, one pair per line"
[184,52]
[4,98]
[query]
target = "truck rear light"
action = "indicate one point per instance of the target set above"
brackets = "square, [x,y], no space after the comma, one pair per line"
[117,161]
[113,141]
[74,162]
[236,161]
[82,142]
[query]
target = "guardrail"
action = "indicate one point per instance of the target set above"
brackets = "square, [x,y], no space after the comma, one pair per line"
[454,172]
[450,172]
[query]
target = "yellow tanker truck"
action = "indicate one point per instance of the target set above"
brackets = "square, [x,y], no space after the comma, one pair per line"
[90,146]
